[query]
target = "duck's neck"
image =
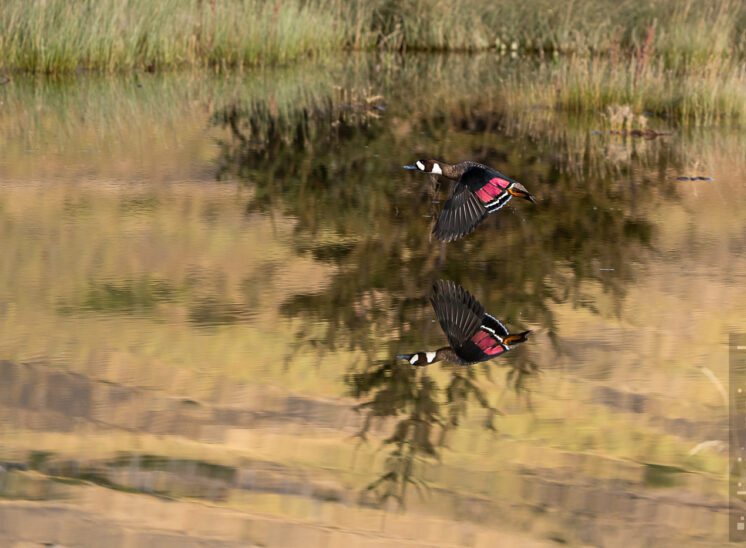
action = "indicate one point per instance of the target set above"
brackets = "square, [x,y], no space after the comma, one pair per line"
[454,171]
[446,353]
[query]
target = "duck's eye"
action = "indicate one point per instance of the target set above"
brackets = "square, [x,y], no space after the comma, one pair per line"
[420,165]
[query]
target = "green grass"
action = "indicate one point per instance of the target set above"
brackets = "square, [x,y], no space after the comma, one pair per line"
[56,35]
[685,30]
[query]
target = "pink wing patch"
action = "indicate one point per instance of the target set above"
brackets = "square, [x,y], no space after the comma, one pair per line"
[487,344]
[493,188]
[482,339]
[495,350]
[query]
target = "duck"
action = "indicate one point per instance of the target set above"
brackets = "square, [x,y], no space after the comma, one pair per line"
[473,335]
[479,191]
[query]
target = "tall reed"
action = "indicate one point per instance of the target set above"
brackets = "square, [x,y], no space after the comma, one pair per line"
[57,36]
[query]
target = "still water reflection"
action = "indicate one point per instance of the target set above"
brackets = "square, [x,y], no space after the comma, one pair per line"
[204,280]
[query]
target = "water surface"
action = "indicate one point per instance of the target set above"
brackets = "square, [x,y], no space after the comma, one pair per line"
[204,280]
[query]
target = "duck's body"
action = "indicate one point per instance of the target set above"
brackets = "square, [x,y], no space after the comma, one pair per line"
[480,190]
[474,335]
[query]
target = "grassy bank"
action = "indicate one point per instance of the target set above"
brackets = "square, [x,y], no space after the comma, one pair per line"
[59,36]
[680,59]
[685,32]
[54,35]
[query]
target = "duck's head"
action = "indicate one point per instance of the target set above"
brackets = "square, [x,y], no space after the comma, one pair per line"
[426,166]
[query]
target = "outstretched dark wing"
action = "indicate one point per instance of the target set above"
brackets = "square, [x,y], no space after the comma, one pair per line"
[492,323]
[458,312]
[460,215]
[473,335]
[479,191]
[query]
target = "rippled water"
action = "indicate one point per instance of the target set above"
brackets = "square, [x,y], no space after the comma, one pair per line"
[205,280]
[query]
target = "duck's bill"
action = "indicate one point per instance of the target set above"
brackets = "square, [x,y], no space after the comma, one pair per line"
[411,166]
[405,356]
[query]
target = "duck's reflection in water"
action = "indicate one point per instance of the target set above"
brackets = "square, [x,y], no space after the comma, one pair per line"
[474,335]
[424,408]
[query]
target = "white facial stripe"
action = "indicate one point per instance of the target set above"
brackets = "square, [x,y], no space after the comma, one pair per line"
[420,165]
[437,170]
[430,356]
[413,359]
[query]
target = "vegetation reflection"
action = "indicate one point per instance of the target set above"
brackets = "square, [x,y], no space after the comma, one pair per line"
[334,164]
[423,411]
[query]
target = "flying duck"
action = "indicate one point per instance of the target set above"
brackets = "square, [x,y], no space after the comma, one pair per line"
[480,190]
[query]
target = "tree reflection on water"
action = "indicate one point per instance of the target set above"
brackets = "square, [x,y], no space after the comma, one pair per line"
[423,411]
[336,169]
